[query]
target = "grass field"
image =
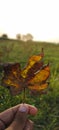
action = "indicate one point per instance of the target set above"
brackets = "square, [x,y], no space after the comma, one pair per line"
[18,51]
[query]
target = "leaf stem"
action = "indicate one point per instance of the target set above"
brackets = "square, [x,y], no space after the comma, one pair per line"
[24,96]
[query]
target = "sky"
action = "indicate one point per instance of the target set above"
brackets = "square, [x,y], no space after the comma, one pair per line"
[38,17]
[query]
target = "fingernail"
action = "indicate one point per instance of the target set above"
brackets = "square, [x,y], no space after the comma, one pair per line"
[23,108]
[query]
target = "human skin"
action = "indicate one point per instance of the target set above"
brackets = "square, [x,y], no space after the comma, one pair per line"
[16,118]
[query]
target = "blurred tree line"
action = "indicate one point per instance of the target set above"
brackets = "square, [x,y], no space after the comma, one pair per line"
[22,37]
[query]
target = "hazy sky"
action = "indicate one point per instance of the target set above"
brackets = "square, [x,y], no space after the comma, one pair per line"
[38,17]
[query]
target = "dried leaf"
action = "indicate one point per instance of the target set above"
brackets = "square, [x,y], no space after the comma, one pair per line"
[33,77]
[41,76]
[38,87]
[31,63]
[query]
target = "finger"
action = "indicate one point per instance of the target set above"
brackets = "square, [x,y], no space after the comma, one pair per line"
[29,125]
[32,110]
[8,115]
[20,118]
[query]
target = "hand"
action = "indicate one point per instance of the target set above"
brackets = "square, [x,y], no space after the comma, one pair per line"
[16,118]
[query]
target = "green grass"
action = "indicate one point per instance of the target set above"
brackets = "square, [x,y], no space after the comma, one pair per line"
[48,106]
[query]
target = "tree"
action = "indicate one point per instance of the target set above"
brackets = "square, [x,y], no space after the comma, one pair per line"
[4,36]
[18,36]
[24,38]
[29,37]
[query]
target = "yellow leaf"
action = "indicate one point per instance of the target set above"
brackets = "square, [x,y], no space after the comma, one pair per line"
[41,75]
[38,88]
[32,60]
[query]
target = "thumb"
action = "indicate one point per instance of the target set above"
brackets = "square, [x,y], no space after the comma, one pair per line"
[20,117]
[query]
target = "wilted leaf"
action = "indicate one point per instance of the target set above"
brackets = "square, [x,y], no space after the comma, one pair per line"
[41,76]
[12,77]
[37,87]
[32,77]
[33,60]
